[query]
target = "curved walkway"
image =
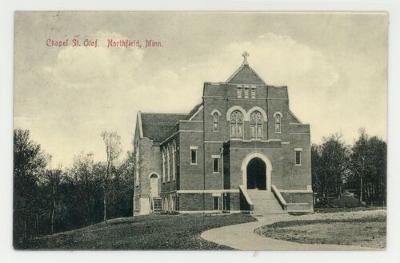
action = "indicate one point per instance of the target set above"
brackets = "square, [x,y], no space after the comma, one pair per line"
[243,237]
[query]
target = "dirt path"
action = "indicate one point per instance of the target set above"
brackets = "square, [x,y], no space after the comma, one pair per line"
[243,237]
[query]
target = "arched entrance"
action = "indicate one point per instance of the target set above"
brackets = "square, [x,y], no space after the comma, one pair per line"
[253,164]
[154,185]
[256,177]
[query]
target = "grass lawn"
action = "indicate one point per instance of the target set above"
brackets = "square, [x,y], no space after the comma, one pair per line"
[369,231]
[142,232]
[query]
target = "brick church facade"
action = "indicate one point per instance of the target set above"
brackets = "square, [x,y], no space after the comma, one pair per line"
[240,150]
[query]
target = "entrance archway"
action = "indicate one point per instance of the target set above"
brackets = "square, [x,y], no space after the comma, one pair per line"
[267,168]
[256,177]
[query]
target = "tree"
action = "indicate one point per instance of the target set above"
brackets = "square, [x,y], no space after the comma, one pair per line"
[122,187]
[51,183]
[112,143]
[29,164]
[83,189]
[368,165]
[48,200]
[329,167]
[316,170]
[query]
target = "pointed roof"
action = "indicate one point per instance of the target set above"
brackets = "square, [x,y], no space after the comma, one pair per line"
[245,74]
[158,126]
[195,111]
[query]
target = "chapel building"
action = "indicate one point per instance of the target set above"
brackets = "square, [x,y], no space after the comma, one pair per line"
[240,150]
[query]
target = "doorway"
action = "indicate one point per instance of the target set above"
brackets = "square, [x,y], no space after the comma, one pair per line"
[256,174]
[154,185]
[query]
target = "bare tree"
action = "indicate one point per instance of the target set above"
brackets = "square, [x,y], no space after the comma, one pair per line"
[52,179]
[112,142]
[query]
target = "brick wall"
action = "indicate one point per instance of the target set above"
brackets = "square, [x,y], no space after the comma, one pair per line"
[285,174]
[191,175]
[298,197]
[205,202]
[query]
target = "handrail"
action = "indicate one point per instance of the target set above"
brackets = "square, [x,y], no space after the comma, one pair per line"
[246,196]
[279,196]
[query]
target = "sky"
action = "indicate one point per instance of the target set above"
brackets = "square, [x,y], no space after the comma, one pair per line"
[334,64]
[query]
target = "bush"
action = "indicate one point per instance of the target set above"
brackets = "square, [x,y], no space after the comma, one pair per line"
[346,201]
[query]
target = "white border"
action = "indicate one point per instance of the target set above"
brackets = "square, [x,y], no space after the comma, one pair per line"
[392,254]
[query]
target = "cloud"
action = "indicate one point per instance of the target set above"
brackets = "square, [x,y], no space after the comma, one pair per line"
[283,61]
[179,88]
[91,90]
[279,60]
[83,67]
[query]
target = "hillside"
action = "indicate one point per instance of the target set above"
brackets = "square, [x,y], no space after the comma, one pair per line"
[142,232]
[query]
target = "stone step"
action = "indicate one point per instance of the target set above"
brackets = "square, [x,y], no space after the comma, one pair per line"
[269,213]
[262,198]
[265,202]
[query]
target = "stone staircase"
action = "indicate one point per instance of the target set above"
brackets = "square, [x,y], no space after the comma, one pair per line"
[265,202]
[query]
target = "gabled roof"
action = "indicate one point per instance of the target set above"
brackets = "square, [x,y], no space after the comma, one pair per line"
[158,126]
[195,111]
[245,75]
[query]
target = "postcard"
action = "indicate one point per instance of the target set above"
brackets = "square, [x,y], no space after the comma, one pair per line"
[200,130]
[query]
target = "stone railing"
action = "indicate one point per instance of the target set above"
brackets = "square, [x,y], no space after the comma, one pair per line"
[247,198]
[280,198]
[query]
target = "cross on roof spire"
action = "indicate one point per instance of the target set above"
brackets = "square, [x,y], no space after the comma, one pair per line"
[245,54]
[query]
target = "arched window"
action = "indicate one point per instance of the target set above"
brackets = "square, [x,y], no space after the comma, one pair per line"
[163,166]
[278,122]
[256,125]
[215,121]
[236,122]
[168,165]
[137,165]
[239,92]
[173,161]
